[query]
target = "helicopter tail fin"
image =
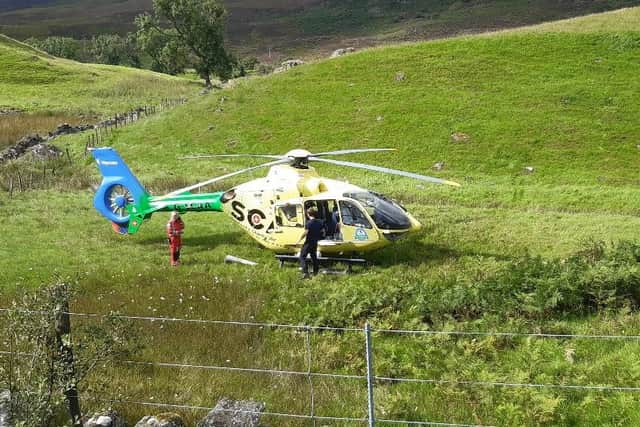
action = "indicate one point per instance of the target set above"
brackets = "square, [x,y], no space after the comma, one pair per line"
[120,190]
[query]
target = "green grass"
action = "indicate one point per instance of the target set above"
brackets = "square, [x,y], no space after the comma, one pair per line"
[564,103]
[36,82]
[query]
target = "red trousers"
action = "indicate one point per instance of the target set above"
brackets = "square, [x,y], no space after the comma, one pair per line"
[175,244]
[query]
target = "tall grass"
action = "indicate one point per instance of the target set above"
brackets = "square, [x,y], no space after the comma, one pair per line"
[15,126]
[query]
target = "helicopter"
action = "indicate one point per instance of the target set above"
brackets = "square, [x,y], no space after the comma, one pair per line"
[272,209]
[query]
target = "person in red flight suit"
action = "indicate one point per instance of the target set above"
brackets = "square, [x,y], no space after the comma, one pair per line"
[175,229]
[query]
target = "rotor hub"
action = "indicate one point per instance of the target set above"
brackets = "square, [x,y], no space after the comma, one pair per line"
[298,154]
[121,201]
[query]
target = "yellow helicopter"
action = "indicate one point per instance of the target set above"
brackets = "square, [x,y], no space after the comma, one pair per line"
[270,209]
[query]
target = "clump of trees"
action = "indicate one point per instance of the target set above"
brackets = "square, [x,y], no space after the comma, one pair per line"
[109,49]
[178,35]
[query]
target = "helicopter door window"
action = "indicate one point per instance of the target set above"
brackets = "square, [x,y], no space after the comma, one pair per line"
[352,215]
[289,216]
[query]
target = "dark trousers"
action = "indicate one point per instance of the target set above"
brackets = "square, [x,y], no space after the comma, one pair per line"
[309,249]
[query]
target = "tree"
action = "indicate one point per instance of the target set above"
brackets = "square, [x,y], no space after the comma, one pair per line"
[168,55]
[199,26]
[113,49]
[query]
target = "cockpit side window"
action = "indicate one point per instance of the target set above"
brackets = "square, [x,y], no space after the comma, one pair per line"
[386,214]
[289,216]
[352,215]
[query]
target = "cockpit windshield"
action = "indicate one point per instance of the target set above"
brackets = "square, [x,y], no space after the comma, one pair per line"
[387,214]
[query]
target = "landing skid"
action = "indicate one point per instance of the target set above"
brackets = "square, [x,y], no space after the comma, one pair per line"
[325,260]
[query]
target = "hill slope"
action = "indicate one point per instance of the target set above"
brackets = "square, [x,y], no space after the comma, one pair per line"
[285,27]
[34,81]
[561,102]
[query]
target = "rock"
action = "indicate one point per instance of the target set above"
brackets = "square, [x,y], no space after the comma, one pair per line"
[109,418]
[234,413]
[528,170]
[205,90]
[66,129]
[438,166]
[166,419]
[211,127]
[379,118]
[287,65]
[21,147]
[400,76]
[8,112]
[460,137]
[5,402]
[341,52]
[45,151]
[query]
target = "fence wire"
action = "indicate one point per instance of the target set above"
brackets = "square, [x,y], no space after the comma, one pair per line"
[309,374]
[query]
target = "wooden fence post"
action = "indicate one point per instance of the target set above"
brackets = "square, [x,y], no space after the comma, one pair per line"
[65,356]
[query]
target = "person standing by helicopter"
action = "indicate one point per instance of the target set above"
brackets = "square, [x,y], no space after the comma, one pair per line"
[313,233]
[175,229]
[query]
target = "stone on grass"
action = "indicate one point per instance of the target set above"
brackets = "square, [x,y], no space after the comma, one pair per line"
[400,76]
[67,129]
[341,52]
[460,137]
[438,166]
[167,419]
[109,418]
[287,65]
[528,170]
[234,413]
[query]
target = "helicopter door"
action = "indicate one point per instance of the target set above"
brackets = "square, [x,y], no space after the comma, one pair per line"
[354,224]
[289,221]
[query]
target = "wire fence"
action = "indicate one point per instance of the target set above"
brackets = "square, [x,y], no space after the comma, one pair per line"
[369,380]
[50,162]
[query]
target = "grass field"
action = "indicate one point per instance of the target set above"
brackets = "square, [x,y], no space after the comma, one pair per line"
[495,255]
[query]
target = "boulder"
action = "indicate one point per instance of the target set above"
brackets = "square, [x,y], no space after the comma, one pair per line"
[528,170]
[9,111]
[234,413]
[21,147]
[341,52]
[45,151]
[287,65]
[5,403]
[66,129]
[109,418]
[460,137]
[166,419]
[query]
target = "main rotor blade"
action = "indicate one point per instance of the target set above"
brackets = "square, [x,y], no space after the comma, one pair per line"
[353,151]
[223,177]
[212,156]
[386,170]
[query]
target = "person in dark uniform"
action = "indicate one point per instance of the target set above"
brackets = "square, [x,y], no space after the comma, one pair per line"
[314,232]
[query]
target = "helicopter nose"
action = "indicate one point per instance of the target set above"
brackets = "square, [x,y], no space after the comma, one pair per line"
[415,225]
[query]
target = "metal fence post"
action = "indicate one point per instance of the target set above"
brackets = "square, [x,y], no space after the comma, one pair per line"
[309,379]
[370,374]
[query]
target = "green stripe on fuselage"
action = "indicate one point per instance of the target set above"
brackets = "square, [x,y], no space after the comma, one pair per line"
[207,202]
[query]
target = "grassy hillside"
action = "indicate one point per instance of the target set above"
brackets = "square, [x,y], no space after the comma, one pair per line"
[287,27]
[508,251]
[50,91]
[34,81]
